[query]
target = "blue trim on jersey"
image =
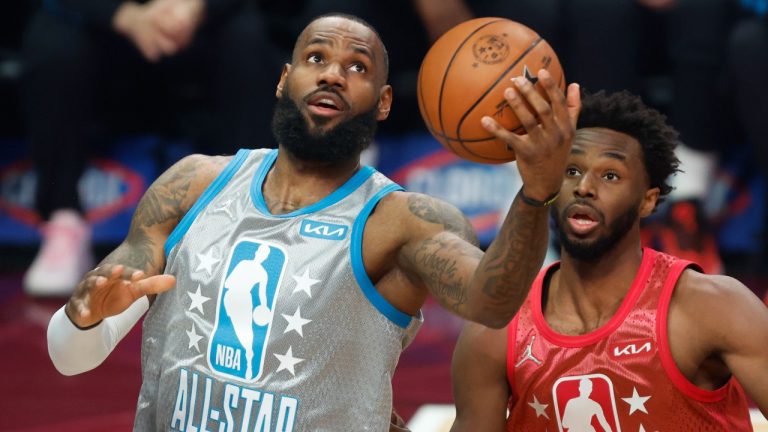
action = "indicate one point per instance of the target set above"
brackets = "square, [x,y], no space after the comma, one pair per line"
[210,192]
[258,180]
[358,268]
[339,194]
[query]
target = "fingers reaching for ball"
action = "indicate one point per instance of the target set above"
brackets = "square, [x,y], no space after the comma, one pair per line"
[549,119]
[464,77]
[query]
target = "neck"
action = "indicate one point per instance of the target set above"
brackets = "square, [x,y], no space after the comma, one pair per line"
[590,292]
[293,183]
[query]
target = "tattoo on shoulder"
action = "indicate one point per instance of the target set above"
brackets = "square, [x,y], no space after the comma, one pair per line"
[435,211]
[163,201]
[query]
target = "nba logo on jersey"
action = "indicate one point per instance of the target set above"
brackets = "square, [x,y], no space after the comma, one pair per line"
[585,403]
[244,311]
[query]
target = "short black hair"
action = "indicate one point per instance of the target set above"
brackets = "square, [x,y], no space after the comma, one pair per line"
[358,20]
[626,113]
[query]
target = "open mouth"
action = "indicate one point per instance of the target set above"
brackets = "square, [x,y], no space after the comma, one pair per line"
[583,219]
[325,104]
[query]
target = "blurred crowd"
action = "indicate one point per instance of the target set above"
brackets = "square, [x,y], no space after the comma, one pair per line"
[87,71]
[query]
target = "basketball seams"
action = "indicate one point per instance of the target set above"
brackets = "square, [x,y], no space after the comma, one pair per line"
[489,89]
[446,79]
[448,68]
[425,115]
[423,106]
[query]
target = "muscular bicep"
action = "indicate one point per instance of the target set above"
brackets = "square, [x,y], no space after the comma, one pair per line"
[159,211]
[441,251]
[478,374]
[745,347]
[445,217]
[738,338]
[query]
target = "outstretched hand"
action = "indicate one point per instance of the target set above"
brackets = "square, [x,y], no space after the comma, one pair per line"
[550,124]
[109,290]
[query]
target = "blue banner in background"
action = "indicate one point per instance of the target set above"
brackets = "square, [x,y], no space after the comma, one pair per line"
[482,192]
[109,189]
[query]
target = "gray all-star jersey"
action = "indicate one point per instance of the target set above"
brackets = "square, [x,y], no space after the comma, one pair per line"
[273,324]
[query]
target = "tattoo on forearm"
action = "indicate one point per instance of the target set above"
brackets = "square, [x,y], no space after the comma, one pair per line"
[438,258]
[509,264]
[437,212]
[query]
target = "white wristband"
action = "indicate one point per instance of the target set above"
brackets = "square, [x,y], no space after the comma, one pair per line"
[75,351]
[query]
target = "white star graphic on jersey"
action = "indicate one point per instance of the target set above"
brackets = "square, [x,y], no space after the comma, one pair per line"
[636,402]
[224,208]
[207,260]
[642,429]
[296,322]
[304,283]
[197,300]
[541,409]
[194,338]
[288,361]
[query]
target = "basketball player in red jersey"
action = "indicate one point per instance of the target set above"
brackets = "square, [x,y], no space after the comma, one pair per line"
[616,336]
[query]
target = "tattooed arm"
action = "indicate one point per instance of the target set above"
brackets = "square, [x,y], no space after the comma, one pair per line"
[109,301]
[442,255]
[132,270]
[490,292]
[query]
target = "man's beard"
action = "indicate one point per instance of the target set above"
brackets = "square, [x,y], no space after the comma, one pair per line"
[345,140]
[596,249]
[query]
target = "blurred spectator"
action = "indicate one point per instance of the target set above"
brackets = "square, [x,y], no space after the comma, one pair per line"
[96,68]
[747,74]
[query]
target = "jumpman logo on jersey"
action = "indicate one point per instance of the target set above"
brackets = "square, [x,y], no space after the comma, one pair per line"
[225,207]
[528,354]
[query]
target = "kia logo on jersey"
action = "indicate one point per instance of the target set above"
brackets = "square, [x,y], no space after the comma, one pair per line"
[323,230]
[633,348]
[585,403]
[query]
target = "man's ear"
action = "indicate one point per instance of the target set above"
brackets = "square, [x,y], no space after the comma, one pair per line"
[283,77]
[649,202]
[385,102]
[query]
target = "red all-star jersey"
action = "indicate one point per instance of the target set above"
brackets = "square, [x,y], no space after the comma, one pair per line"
[620,377]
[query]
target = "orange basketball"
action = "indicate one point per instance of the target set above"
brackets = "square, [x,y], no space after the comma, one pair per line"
[463,78]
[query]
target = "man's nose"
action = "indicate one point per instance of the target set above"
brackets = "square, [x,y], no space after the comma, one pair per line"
[584,187]
[332,75]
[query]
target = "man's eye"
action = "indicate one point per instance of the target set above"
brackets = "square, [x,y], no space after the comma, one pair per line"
[611,176]
[314,58]
[357,67]
[571,171]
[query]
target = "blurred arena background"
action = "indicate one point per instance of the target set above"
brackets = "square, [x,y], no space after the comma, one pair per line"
[722,224]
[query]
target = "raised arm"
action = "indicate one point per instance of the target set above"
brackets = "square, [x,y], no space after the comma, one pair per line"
[111,298]
[479,378]
[492,290]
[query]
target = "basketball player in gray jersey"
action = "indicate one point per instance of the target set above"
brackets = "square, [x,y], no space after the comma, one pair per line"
[282,285]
